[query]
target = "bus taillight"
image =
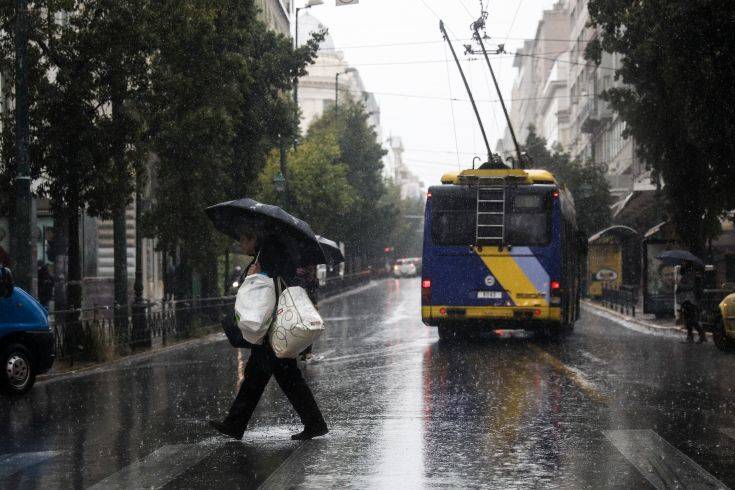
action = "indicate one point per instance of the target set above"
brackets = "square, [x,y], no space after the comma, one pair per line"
[426,291]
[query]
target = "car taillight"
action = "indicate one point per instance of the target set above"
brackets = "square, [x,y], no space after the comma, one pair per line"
[555,285]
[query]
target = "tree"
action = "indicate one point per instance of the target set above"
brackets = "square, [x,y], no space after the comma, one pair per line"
[320,192]
[370,219]
[67,147]
[587,183]
[676,64]
[215,109]
[121,33]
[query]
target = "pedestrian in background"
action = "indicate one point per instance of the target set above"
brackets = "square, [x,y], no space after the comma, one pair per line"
[45,284]
[688,296]
[263,363]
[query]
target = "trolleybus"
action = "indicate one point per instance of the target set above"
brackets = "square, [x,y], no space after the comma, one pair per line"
[501,251]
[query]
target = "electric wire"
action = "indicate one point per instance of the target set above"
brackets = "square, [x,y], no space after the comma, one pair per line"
[513,22]
[451,107]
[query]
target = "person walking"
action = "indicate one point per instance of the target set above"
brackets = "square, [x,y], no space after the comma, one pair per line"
[263,363]
[688,296]
[45,284]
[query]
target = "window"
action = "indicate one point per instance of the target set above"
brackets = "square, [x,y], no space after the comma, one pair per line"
[453,216]
[529,221]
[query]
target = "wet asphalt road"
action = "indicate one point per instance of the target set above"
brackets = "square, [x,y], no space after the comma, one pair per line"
[606,407]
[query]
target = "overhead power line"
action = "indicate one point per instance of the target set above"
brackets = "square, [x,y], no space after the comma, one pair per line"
[461,40]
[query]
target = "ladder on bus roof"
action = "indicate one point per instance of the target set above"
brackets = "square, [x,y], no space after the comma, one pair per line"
[491,214]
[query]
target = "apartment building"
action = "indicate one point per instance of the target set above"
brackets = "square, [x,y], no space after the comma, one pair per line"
[277,14]
[321,88]
[558,91]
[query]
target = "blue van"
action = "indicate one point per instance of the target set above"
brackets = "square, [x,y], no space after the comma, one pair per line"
[26,341]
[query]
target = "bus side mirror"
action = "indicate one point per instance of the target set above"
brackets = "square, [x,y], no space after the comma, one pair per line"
[7,283]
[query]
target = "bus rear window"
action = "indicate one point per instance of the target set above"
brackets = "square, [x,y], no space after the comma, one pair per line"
[453,217]
[529,221]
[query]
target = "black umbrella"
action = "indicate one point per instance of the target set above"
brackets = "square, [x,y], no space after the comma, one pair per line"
[297,235]
[331,251]
[679,257]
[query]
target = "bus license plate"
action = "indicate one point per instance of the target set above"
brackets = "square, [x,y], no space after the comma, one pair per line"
[489,295]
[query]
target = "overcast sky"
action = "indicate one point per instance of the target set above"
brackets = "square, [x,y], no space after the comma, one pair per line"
[408,71]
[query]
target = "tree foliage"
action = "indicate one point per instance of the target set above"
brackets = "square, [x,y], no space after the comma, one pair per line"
[677,67]
[319,190]
[215,109]
[369,221]
[587,183]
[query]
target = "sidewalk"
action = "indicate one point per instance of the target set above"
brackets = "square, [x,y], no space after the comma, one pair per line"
[642,323]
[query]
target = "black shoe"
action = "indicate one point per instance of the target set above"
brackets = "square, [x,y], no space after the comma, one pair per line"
[225,429]
[309,433]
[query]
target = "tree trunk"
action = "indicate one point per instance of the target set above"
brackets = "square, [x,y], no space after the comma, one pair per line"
[60,256]
[74,267]
[120,246]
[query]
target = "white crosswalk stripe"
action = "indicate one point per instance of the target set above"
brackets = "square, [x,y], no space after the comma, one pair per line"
[158,468]
[13,463]
[659,462]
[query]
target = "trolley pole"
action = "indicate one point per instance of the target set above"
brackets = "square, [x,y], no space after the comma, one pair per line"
[22,243]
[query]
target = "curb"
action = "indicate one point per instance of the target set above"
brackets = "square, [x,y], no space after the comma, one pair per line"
[631,322]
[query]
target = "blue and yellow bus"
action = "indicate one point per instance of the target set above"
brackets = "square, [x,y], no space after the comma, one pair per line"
[501,251]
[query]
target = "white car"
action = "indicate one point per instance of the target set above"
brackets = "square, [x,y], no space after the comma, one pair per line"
[404,268]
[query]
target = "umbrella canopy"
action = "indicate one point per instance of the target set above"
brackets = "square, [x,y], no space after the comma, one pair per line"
[332,252]
[297,235]
[679,257]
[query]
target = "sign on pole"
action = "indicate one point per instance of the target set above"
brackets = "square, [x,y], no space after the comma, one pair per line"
[347,2]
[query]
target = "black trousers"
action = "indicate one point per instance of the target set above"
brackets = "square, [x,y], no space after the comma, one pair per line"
[261,365]
[690,314]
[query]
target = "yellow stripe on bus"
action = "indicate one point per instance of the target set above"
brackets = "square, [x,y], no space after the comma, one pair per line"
[511,277]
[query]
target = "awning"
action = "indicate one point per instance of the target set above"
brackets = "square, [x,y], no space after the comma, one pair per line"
[616,231]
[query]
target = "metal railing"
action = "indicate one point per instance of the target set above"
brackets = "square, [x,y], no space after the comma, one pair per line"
[92,334]
[101,332]
[623,299]
[335,285]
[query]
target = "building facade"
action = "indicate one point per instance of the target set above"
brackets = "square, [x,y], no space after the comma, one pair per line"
[277,14]
[558,91]
[319,90]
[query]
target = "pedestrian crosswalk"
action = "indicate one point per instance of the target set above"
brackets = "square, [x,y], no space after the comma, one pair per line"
[729,432]
[158,468]
[14,463]
[657,461]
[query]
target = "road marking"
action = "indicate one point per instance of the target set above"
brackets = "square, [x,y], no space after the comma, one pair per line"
[575,375]
[158,468]
[291,468]
[13,463]
[729,433]
[592,358]
[659,462]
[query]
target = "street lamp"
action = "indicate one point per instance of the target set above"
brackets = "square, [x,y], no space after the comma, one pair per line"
[309,4]
[279,183]
[336,87]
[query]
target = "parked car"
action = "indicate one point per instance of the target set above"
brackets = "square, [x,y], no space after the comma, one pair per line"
[723,330]
[405,268]
[26,341]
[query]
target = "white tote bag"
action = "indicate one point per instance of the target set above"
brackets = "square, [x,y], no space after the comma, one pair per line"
[297,324]
[254,305]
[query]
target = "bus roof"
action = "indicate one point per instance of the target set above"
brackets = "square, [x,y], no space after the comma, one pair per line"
[514,175]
